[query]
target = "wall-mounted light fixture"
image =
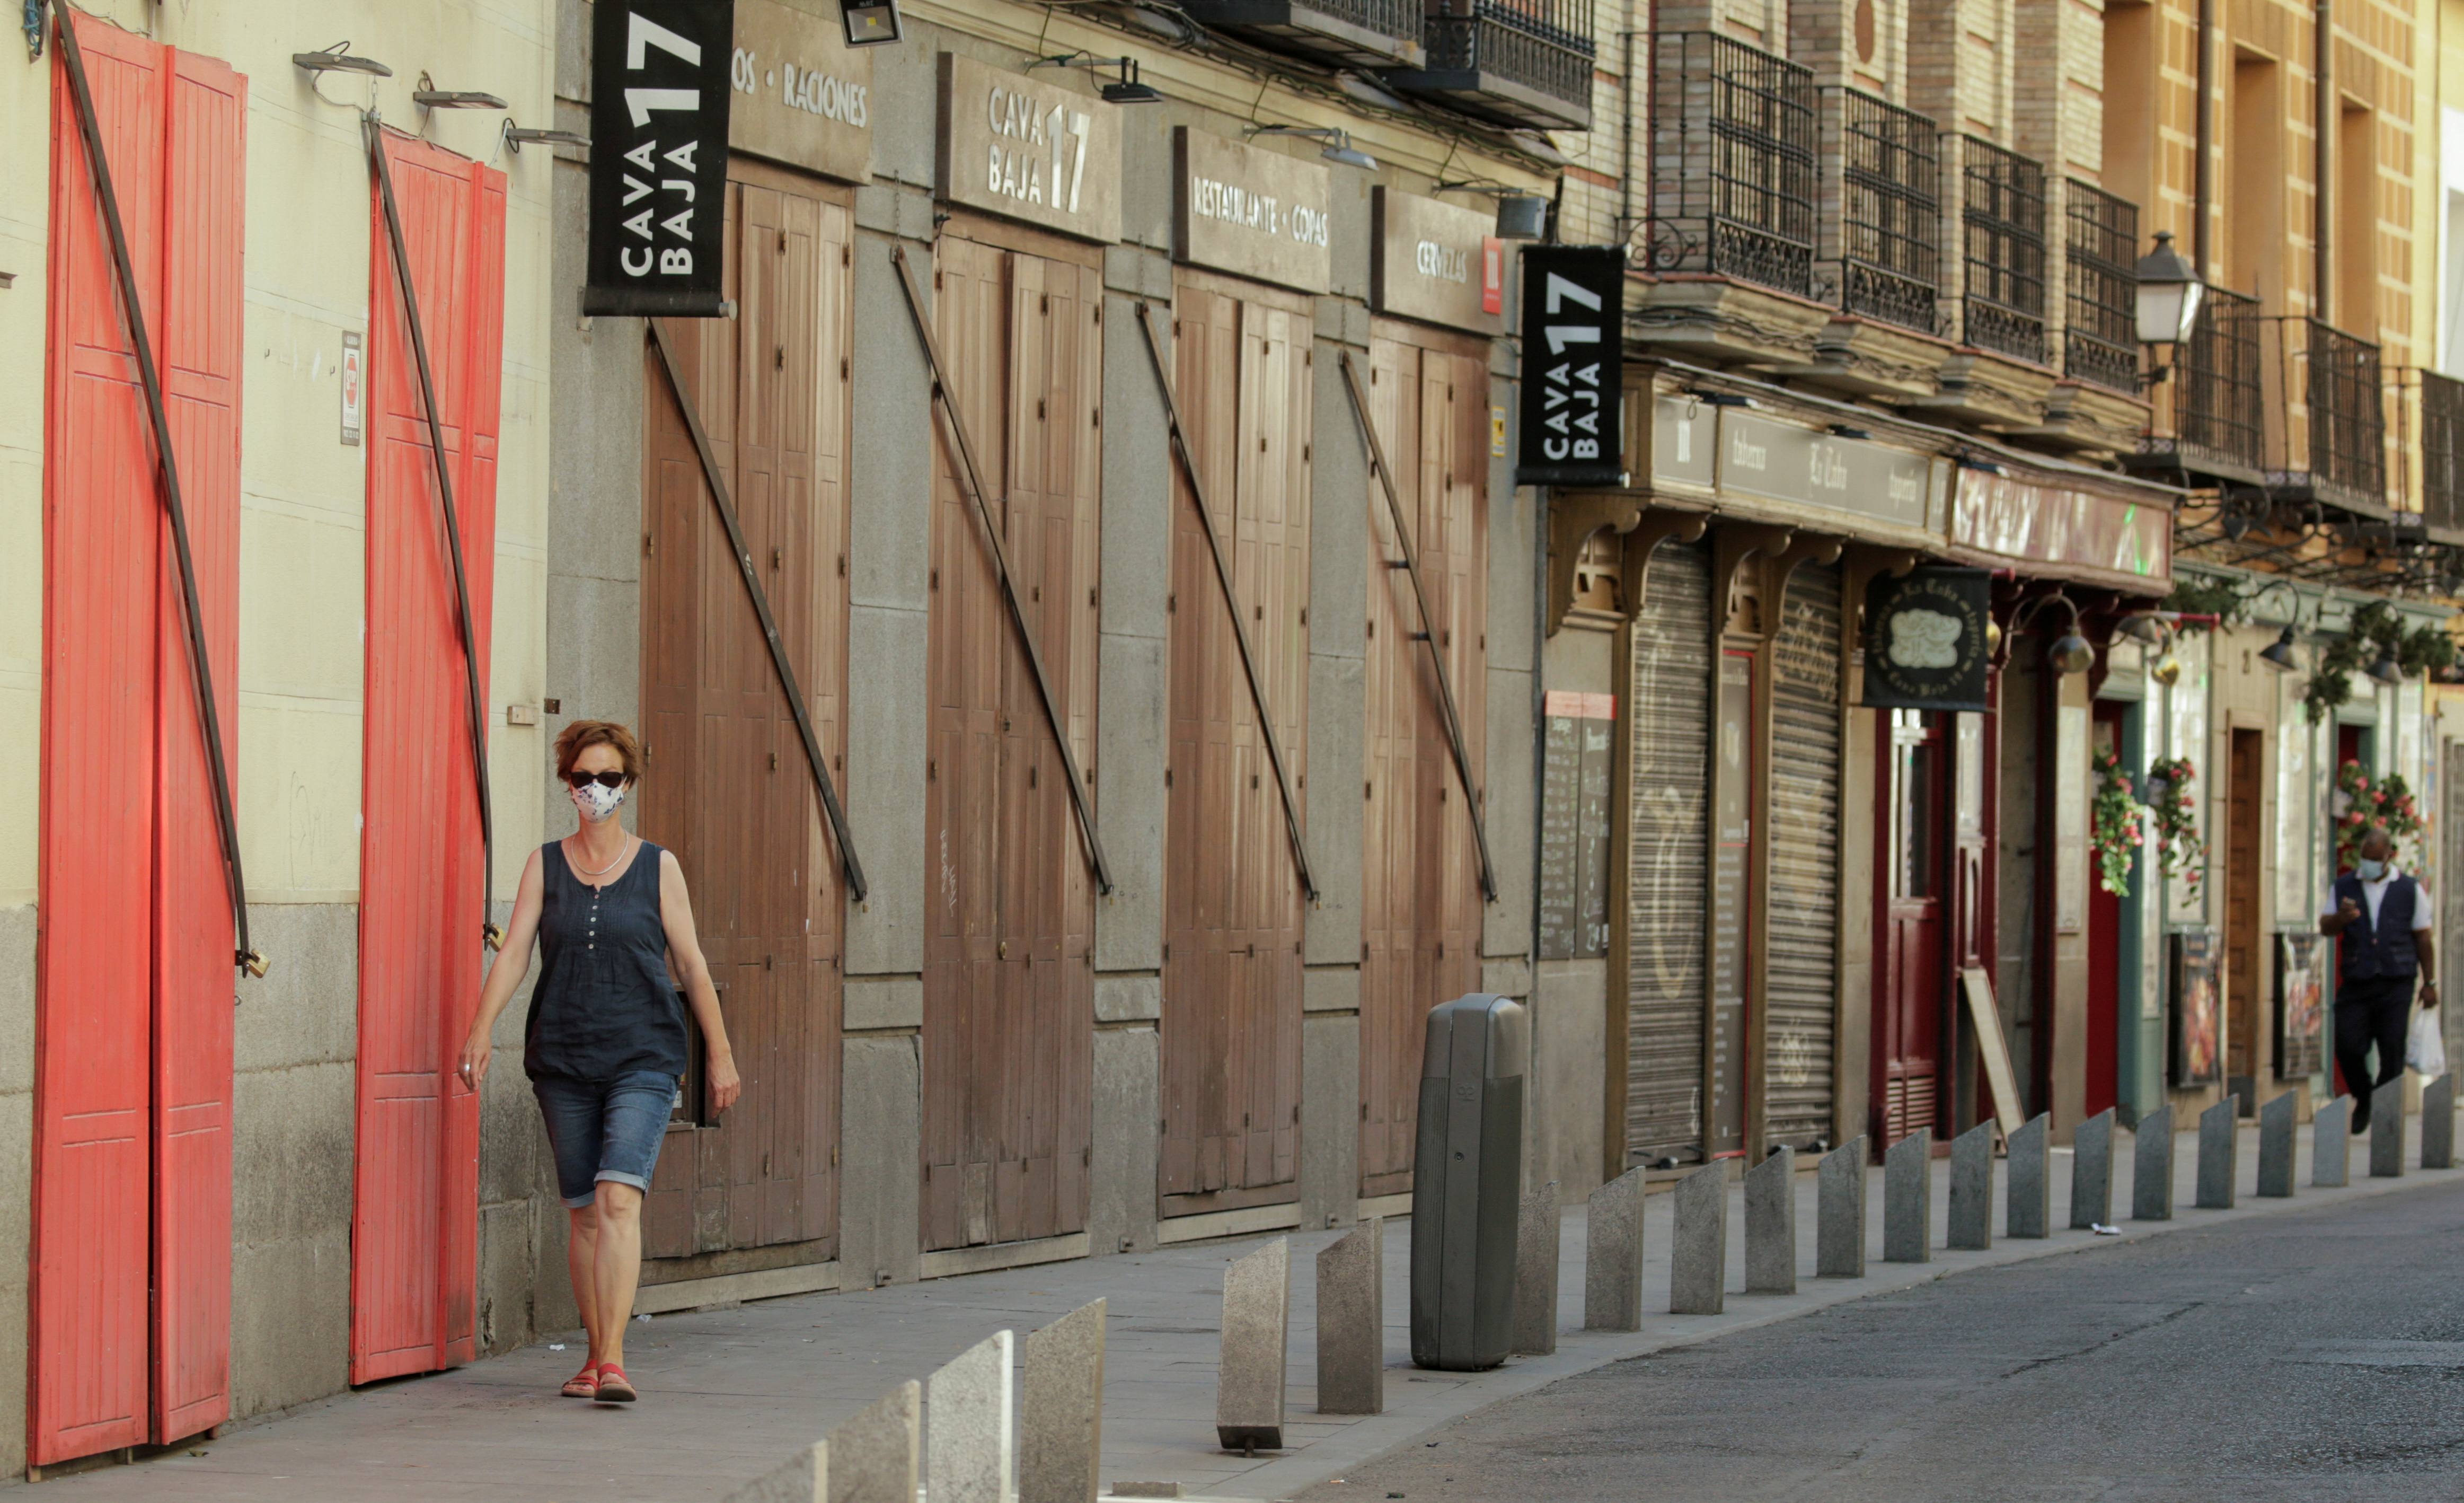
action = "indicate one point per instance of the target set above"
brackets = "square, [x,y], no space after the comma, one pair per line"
[1123,90]
[437,99]
[2285,653]
[338,58]
[1520,215]
[2169,299]
[2071,652]
[517,138]
[1339,147]
[870,23]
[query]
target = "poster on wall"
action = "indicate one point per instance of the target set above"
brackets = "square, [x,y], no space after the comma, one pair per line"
[2198,1036]
[661,73]
[1926,642]
[2301,1005]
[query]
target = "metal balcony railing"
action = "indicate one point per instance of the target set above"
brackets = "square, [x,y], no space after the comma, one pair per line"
[2002,219]
[2101,289]
[2212,402]
[1890,212]
[1355,34]
[1733,162]
[2327,442]
[2442,451]
[1527,62]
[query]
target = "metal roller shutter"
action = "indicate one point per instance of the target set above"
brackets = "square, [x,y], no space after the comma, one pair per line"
[1668,876]
[1804,927]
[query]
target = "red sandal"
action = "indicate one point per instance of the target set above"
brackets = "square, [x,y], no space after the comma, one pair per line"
[584,1384]
[613,1385]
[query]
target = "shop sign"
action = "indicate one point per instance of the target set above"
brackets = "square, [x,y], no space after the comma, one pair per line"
[1783,462]
[803,95]
[1029,149]
[1573,367]
[1251,211]
[1435,262]
[2096,533]
[1926,639]
[661,78]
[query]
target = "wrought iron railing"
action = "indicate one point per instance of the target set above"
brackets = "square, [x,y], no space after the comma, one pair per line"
[1545,44]
[2101,289]
[2442,451]
[1732,154]
[2219,390]
[1890,212]
[2002,218]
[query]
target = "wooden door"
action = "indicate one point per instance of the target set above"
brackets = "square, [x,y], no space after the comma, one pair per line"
[1232,898]
[1009,955]
[132,1193]
[1421,904]
[2244,924]
[2106,914]
[1912,886]
[728,790]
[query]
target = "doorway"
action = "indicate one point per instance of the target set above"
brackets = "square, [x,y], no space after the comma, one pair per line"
[1911,887]
[2108,912]
[2245,838]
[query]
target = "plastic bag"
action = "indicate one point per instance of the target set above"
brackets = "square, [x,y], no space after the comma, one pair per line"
[2423,1049]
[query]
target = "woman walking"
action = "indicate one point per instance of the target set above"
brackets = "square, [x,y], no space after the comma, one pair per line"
[606,1043]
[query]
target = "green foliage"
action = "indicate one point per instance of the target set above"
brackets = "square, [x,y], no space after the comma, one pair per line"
[2180,851]
[2387,803]
[2376,630]
[2194,595]
[2114,824]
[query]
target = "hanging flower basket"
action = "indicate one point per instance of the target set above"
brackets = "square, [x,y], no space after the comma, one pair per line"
[2385,801]
[2115,824]
[2180,851]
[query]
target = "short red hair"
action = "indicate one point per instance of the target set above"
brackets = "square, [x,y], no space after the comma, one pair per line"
[581,735]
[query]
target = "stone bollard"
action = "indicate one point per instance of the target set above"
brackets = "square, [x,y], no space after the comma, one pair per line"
[970,1453]
[2331,1143]
[1536,1228]
[1061,1409]
[1907,1199]
[2275,1146]
[801,1478]
[1352,1322]
[2151,1168]
[1613,1256]
[873,1456]
[1698,1254]
[2218,1129]
[2438,1123]
[2092,1172]
[1839,1212]
[1771,1225]
[2387,1131]
[1249,1388]
[2029,1209]
[1971,1188]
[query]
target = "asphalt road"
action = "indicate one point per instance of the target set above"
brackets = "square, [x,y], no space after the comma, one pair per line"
[2315,1355]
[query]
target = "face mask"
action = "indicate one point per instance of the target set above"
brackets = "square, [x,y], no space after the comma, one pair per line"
[597,801]
[2371,871]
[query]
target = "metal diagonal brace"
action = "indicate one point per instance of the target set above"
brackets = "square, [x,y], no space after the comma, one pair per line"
[1428,622]
[1231,601]
[200,666]
[992,533]
[374,129]
[719,498]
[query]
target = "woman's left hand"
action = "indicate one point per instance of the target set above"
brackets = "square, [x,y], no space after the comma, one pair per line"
[724,1087]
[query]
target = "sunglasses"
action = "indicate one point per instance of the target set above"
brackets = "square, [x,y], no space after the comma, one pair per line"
[605,780]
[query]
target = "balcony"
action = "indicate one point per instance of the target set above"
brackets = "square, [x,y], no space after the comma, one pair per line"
[1343,34]
[2441,401]
[2212,406]
[2002,226]
[1890,213]
[2330,449]
[2101,290]
[1524,63]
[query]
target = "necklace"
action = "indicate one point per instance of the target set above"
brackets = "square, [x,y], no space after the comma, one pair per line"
[621,846]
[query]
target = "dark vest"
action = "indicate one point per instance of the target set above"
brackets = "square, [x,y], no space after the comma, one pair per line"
[2385,948]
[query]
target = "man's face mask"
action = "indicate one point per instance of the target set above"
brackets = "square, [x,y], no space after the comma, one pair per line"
[2371,869]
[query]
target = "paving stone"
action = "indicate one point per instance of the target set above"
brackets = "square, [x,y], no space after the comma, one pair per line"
[2438,1123]
[1061,1409]
[2386,1130]
[2218,1125]
[2275,1146]
[1971,1188]
[1613,1256]
[968,1454]
[1698,1254]
[1249,1384]
[2151,1168]
[2092,1172]
[1352,1322]
[2029,1208]
[1839,1212]
[1907,1199]
[2331,1143]
[872,1455]
[1771,1225]
[1536,1253]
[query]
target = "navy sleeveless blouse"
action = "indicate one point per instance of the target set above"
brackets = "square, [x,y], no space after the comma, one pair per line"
[605,1005]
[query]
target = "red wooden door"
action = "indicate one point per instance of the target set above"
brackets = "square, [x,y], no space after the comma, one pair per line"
[1911,891]
[414,1217]
[134,978]
[2106,914]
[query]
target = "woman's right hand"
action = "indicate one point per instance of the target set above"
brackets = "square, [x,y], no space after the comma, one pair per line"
[474,1068]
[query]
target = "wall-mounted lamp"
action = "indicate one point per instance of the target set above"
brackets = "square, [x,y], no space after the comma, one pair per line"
[1125,90]
[338,58]
[2169,299]
[2071,652]
[517,138]
[437,99]
[870,23]
[1520,215]
[2285,653]
[2388,670]
[1339,147]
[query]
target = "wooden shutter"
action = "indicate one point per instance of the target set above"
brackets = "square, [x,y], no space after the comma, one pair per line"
[1801,964]
[132,1160]
[1668,874]
[415,1207]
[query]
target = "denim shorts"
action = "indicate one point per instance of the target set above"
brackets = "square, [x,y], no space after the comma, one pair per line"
[604,1130]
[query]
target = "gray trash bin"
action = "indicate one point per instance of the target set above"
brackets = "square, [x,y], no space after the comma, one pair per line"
[1467,1182]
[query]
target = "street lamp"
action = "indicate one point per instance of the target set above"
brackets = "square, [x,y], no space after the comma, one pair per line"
[2169,293]
[2284,654]
[1339,147]
[2070,653]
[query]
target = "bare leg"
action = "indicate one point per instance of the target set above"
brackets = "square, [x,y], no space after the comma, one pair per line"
[581,1263]
[619,1266]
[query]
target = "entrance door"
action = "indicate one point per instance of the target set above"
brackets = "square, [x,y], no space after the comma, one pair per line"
[415,1223]
[2245,927]
[728,791]
[1010,981]
[2107,915]
[1910,993]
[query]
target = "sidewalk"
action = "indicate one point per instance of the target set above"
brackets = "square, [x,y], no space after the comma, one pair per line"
[729,1392]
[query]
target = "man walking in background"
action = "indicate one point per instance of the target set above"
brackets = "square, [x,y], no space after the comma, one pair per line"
[2383,927]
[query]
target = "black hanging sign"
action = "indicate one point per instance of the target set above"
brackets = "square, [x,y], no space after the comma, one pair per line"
[660,77]
[1573,367]
[1925,645]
